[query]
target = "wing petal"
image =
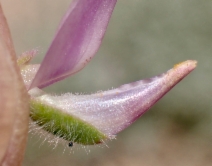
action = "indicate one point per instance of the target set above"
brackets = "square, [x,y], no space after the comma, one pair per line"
[76,42]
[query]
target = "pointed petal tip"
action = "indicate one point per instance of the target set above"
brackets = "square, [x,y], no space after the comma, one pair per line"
[180,70]
[190,64]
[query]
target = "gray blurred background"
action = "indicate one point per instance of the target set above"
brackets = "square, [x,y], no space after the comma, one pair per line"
[144,38]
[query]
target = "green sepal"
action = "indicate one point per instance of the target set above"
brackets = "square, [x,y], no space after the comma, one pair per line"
[64,125]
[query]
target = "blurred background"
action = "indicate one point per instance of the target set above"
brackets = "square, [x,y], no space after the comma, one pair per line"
[144,38]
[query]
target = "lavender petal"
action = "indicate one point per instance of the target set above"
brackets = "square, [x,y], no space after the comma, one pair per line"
[114,110]
[76,42]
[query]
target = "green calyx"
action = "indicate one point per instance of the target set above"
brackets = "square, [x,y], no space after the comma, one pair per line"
[64,125]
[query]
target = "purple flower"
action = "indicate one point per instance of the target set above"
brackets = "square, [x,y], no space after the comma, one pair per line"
[88,119]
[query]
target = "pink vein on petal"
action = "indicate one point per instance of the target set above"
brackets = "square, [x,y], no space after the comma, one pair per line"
[76,42]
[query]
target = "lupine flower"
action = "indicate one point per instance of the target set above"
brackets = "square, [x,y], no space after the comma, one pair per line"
[88,119]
